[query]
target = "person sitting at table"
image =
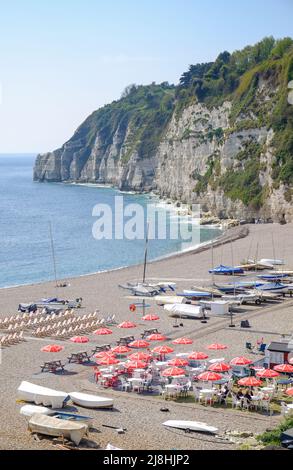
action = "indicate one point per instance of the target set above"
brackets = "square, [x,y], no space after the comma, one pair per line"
[224,393]
[239,395]
[248,395]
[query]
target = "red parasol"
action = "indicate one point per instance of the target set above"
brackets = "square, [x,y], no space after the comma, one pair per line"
[286,368]
[139,356]
[173,372]
[182,341]
[156,337]
[163,349]
[219,367]
[139,343]
[198,356]
[107,361]
[103,331]
[122,349]
[177,361]
[209,376]
[79,339]
[217,346]
[289,392]
[127,324]
[267,373]
[249,382]
[150,317]
[52,348]
[102,354]
[240,361]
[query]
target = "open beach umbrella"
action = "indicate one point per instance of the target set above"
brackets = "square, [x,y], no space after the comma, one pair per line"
[108,361]
[209,376]
[178,362]
[249,382]
[156,337]
[135,365]
[217,346]
[285,368]
[240,361]
[163,349]
[197,356]
[102,354]
[151,317]
[291,361]
[173,372]
[121,349]
[127,324]
[219,367]
[103,331]
[182,341]
[139,343]
[267,373]
[289,392]
[79,339]
[52,348]
[139,356]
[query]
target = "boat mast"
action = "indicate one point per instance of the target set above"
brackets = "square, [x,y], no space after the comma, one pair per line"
[145,264]
[53,254]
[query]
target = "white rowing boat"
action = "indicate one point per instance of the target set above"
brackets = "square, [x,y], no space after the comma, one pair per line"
[29,410]
[90,401]
[184,310]
[57,427]
[41,395]
[190,426]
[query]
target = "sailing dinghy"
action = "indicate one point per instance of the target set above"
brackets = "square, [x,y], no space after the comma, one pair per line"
[191,426]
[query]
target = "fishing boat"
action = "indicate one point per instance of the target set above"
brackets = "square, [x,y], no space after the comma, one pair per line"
[184,310]
[56,427]
[41,395]
[90,401]
[226,270]
[191,426]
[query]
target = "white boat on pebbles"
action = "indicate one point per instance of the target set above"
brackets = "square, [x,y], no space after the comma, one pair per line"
[41,395]
[55,427]
[90,401]
[191,426]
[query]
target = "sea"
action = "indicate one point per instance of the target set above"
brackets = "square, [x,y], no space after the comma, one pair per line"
[48,230]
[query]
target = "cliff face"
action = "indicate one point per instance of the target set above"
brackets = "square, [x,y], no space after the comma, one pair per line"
[222,138]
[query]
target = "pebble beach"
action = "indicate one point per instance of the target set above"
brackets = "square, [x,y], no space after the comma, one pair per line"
[141,414]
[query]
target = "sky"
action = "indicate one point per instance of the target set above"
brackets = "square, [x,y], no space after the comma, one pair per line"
[62,59]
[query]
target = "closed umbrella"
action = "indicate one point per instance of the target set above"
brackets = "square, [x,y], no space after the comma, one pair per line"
[217,346]
[178,362]
[197,356]
[249,382]
[127,324]
[173,372]
[156,337]
[286,368]
[79,339]
[182,341]
[151,317]
[240,361]
[219,367]
[52,348]
[267,373]
[103,331]
[209,376]
[139,343]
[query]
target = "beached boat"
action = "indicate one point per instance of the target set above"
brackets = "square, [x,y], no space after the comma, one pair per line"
[191,426]
[184,310]
[244,298]
[226,270]
[276,287]
[272,277]
[52,426]
[29,410]
[41,395]
[90,401]
[169,299]
[271,262]
[195,294]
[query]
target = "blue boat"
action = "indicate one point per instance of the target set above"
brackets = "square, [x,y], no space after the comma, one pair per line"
[71,416]
[197,294]
[274,287]
[226,270]
[272,277]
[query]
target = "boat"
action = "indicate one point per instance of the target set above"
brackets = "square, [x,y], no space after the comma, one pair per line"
[72,417]
[272,277]
[168,299]
[191,426]
[276,287]
[184,310]
[111,447]
[225,270]
[219,307]
[41,395]
[211,290]
[90,401]
[56,427]
[271,262]
[54,302]
[195,294]
[244,298]
[29,410]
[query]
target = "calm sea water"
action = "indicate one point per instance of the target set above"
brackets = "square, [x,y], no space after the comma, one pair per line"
[27,208]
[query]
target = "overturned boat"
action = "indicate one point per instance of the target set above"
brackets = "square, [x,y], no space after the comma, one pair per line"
[90,401]
[184,310]
[41,395]
[191,426]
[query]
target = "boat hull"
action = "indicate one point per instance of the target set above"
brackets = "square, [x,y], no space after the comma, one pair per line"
[191,425]
[90,401]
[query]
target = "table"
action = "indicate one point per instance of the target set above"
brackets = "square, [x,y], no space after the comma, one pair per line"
[52,366]
[103,347]
[135,379]
[79,357]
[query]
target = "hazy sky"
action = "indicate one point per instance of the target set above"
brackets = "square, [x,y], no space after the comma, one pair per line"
[61,59]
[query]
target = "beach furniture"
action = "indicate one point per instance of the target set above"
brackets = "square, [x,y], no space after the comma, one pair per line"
[52,366]
[79,357]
